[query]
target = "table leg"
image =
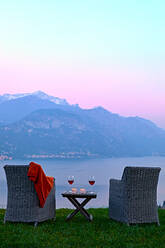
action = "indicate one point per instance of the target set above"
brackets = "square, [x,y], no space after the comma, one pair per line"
[79,207]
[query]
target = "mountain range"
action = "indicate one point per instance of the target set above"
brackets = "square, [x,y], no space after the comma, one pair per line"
[36,125]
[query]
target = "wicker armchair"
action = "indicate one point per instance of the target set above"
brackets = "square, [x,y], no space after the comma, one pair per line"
[22,201]
[133,199]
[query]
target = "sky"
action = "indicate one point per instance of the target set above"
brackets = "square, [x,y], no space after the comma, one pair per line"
[108,53]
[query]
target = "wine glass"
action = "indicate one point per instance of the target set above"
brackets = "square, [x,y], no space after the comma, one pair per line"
[91,181]
[70,180]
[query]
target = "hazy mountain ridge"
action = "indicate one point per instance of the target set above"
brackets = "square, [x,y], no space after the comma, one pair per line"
[12,110]
[41,128]
[39,94]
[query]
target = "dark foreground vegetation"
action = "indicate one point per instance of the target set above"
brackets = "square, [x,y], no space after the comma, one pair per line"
[102,232]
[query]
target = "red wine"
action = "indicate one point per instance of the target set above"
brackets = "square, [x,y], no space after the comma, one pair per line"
[70,181]
[91,182]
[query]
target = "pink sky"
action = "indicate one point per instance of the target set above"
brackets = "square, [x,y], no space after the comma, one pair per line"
[94,53]
[117,89]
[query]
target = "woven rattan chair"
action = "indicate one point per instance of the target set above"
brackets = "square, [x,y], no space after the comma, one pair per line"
[133,199]
[22,200]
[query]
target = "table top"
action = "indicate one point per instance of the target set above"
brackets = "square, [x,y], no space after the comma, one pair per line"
[87,194]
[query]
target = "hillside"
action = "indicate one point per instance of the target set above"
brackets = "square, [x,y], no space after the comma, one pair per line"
[15,107]
[53,130]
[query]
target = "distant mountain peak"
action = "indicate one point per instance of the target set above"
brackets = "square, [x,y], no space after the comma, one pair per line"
[43,95]
[100,108]
[39,94]
[8,97]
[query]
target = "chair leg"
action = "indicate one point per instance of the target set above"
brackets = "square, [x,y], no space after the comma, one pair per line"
[35,224]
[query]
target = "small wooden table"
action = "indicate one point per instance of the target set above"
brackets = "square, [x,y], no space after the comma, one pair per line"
[79,206]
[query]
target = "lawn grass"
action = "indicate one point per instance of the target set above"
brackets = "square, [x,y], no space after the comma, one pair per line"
[101,233]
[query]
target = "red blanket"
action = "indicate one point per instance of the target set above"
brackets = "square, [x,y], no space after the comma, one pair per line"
[42,183]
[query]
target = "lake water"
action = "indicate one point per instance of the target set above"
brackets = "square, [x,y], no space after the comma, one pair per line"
[102,169]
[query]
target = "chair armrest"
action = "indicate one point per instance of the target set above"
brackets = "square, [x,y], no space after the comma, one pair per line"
[115,181]
[116,187]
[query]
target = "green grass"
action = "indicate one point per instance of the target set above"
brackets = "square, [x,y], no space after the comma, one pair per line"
[101,233]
